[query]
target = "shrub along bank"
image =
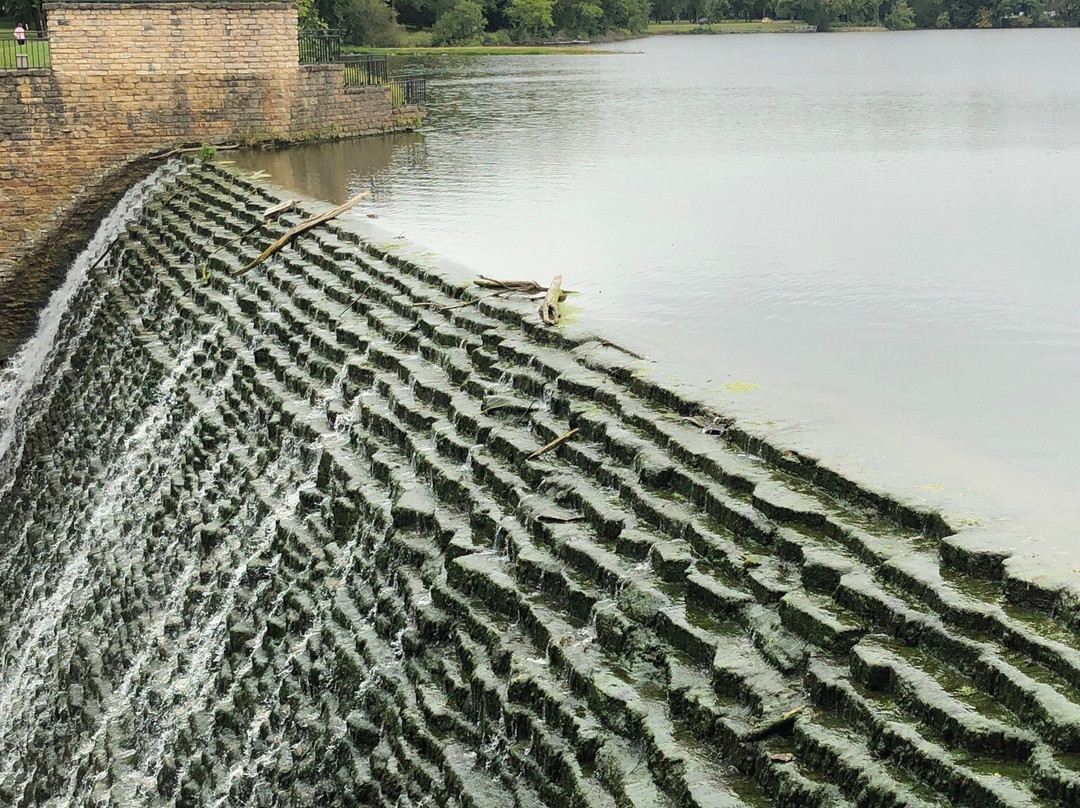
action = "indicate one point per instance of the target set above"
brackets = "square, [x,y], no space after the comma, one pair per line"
[397,23]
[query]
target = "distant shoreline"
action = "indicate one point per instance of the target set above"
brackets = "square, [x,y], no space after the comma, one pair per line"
[731,27]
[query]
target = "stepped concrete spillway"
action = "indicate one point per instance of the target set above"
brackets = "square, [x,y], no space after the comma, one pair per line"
[276,540]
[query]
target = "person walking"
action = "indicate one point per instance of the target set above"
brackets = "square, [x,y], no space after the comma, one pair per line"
[20,35]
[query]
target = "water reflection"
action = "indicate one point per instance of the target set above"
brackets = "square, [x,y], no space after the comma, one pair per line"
[878,230]
[333,171]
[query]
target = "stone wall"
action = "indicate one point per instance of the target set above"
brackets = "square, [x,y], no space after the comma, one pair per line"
[133,78]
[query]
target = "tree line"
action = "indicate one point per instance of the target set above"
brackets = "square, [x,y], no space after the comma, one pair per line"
[895,14]
[492,22]
[502,22]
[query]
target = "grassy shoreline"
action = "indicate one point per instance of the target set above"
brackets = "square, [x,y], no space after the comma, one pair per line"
[725,27]
[481,50]
[655,29]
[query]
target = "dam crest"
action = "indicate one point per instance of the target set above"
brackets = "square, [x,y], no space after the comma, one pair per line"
[277,539]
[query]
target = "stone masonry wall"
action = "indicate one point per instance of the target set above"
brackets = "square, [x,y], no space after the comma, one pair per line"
[129,79]
[322,105]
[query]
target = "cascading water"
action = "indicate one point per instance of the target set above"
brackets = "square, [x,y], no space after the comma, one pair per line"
[281,538]
[41,360]
[110,652]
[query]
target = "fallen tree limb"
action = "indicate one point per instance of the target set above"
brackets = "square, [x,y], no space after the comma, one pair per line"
[553,444]
[303,227]
[440,307]
[525,287]
[529,289]
[549,309]
[268,215]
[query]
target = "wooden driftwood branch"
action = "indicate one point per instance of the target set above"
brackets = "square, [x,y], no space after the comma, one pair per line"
[274,211]
[553,444]
[440,307]
[549,309]
[524,287]
[528,289]
[303,227]
[268,215]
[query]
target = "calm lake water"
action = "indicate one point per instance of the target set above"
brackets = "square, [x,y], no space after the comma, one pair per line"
[879,231]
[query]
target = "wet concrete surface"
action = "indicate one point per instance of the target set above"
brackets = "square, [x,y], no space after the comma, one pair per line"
[276,539]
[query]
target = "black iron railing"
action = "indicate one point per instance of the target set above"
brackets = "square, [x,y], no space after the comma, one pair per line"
[319,47]
[34,54]
[408,92]
[362,69]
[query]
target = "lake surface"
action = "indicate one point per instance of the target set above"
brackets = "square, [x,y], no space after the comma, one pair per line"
[865,245]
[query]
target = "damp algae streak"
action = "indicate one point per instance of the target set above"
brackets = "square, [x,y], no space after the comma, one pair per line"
[275,540]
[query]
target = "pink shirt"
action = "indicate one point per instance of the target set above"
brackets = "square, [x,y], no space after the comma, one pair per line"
[20,32]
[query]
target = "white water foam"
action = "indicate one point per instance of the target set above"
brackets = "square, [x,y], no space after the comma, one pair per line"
[18,413]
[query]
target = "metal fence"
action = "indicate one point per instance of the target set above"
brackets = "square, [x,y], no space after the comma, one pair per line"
[408,92]
[33,55]
[361,70]
[319,47]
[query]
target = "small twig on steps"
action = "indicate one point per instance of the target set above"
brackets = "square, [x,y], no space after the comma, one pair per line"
[438,307]
[105,254]
[459,305]
[553,444]
[354,301]
[627,351]
[401,339]
[524,415]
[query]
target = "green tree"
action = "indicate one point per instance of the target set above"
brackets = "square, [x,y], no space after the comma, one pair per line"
[984,18]
[901,17]
[30,12]
[363,22]
[626,15]
[822,13]
[424,13]
[464,23]
[590,18]
[926,12]
[530,18]
[1067,12]
[943,20]
[307,14]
